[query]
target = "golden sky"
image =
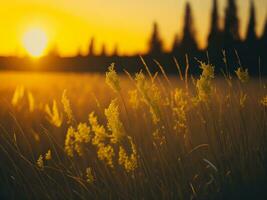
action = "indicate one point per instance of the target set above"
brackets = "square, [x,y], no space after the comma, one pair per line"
[69,24]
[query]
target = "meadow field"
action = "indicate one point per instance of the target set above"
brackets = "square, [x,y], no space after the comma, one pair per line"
[133,136]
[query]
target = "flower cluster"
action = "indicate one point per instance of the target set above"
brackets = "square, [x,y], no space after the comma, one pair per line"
[89,175]
[264,101]
[40,162]
[76,139]
[179,111]
[129,162]
[112,78]
[48,155]
[204,86]
[100,134]
[114,123]
[242,74]
[150,95]
[105,152]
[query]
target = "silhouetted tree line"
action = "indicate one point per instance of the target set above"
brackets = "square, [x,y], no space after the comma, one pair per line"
[226,39]
[221,42]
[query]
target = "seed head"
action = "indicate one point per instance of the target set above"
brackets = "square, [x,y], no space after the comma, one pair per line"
[112,78]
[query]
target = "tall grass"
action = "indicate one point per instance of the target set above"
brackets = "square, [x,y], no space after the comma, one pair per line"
[148,137]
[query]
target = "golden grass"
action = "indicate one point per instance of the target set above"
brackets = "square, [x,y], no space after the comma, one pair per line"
[75,136]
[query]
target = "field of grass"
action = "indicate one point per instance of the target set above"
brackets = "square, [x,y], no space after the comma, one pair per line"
[138,136]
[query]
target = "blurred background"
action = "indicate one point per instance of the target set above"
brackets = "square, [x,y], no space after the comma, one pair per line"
[82,35]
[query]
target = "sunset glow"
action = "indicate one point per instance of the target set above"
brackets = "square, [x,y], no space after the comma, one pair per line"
[71,24]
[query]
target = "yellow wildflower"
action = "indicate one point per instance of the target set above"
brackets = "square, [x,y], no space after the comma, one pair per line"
[242,75]
[67,108]
[48,155]
[150,95]
[128,162]
[76,139]
[112,78]
[89,175]
[179,111]
[83,133]
[114,123]
[82,136]
[106,153]
[40,162]
[100,134]
[207,70]
[70,141]
[264,101]
[203,84]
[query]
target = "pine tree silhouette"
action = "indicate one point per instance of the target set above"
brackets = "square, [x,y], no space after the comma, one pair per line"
[155,43]
[231,26]
[91,49]
[103,51]
[188,43]
[251,37]
[215,35]
[176,44]
[115,50]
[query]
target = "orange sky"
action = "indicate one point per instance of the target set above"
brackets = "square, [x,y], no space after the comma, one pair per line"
[69,24]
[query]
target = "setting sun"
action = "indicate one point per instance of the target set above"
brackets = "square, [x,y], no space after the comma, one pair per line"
[35,42]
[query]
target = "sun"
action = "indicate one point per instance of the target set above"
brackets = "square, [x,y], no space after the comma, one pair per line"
[35,42]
